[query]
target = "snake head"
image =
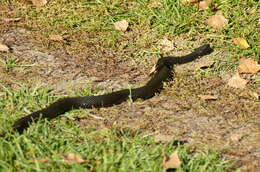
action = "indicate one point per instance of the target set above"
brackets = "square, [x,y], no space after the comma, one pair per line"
[170,61]
[204,50]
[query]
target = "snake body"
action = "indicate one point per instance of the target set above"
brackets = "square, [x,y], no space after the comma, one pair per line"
[154,85]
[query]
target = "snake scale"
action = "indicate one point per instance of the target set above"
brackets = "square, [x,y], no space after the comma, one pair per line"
[162,74]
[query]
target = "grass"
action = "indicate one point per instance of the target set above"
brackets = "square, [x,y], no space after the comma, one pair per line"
[174,19]
[91,23]
[114,149]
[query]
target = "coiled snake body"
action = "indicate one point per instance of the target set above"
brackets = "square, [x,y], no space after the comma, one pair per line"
[163,74]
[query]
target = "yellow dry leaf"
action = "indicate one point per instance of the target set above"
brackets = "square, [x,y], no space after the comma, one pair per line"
[241,42]
[187,2]
[208,97]
[217,21]
[255,95]
[39,159]
[203,5]
[39,3]
[236,137]
[4,48]
[58,38]
[205,63]
[166,45]
[171,162]
[121,25]
[73,158]
[11,19]
[162,138]
[247,65]
[155,4]
[237,82]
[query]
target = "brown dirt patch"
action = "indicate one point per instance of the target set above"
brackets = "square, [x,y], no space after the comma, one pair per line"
[62,68]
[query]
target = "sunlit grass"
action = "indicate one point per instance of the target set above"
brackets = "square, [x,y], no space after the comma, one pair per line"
[83,22]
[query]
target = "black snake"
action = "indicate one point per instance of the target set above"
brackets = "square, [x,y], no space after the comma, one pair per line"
[154,85]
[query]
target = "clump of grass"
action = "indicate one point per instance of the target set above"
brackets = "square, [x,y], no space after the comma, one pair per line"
[111,149]
[147,25]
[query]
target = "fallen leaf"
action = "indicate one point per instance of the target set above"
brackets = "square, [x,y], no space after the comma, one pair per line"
[203,5]
[11,19]
[236,137]
[121,25]
[208,97]
[155,4]
[255,95]
[237,82]
[205,63]
[39,3]
[217,21]
[162,138]
[73,158]
[171,162]
[188,2]
[241,42]
[247,65]
[166,45]
[39,159]
[216,7]
[57,38]
[4,48]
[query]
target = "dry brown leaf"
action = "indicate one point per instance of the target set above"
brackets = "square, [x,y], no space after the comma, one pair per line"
[208,97]
[163,138]
[121,25]
[203,5]
[11,19]
[237,82]
[236,137]
[155,4]
[166,45]
[39,159]
[39,3]
[188,2]
[171,162]
[217,21]
[58,38]
[247,65]
[241,42]
[73,158]
[255,95]
[4,48]
[205,63]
